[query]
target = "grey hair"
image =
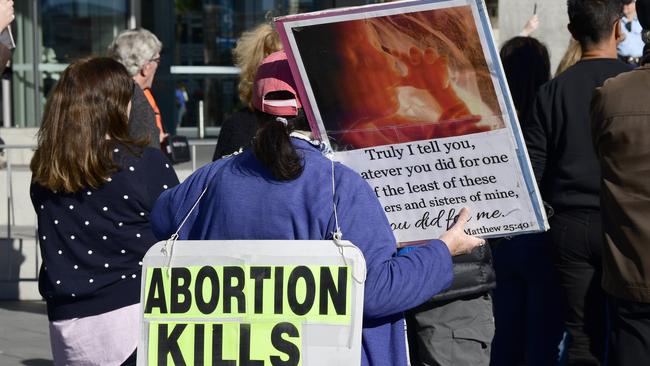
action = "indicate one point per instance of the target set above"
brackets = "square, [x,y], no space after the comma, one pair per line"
[133,48]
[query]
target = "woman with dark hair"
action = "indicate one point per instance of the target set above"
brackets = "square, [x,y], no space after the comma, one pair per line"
[93,188]
[282,188]
[528,302]
[527,65]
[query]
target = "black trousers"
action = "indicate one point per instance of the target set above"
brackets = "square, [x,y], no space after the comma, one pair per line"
[578,243]
[528,303]
[629,340]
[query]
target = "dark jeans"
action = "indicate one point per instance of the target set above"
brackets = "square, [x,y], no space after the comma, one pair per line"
[578,241]
[629,340]
[528,303]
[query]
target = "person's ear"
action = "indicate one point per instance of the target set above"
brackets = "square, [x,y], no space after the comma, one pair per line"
[570,29]
[144,70]
[619,36]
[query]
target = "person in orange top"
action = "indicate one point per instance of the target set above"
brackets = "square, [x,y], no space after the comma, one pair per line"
[139,51]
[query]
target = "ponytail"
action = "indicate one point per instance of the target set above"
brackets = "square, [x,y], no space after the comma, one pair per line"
[273,147]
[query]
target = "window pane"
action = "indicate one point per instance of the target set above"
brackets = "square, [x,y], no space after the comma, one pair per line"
[205,34]
[66,30]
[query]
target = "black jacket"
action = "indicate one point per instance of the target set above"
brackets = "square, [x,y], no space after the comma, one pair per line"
[473,274]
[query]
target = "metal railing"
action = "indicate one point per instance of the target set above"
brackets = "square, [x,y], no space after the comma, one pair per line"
[11,214]
[7,148]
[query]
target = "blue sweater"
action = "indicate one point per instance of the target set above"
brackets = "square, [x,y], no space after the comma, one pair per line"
[92,241]
[245,202]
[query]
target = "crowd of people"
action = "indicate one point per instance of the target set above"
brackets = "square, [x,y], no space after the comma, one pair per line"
[576,295]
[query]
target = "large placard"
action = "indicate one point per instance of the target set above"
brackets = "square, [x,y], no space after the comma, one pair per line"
[252,302]
[412,95]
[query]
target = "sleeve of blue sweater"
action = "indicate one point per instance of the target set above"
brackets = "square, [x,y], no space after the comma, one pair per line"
[394,283]
[173,205]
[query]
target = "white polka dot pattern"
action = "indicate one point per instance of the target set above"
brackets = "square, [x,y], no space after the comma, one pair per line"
[66,220]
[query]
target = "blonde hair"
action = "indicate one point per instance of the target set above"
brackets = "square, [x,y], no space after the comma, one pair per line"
[572,55]
[252,47]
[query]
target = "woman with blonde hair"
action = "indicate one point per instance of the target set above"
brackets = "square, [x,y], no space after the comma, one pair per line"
[252,47]
[93,189]
[572,55]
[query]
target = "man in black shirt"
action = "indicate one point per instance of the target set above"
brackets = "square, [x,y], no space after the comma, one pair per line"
[558,137]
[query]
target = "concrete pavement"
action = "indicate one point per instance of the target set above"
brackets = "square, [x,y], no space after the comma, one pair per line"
[24,335]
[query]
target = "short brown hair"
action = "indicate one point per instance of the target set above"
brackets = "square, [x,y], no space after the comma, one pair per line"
[83,118]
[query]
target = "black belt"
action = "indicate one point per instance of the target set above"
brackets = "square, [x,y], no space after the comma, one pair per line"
[630,59]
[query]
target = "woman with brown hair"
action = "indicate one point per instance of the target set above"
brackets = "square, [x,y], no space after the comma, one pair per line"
[93,189]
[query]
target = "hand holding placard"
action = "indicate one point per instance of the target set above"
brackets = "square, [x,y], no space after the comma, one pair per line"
[455,238]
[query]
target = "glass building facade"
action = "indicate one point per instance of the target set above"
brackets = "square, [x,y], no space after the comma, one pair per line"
[198,36]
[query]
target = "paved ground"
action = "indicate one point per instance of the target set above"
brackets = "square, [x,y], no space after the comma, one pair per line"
[24,337]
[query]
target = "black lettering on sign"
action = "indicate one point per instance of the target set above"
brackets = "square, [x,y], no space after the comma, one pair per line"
[337,293]
[210,274]
[278,291]
[217,347]
[199,344]
[259,274]
[283,345]
[156,294]
[236,291]
[245,347]
[168,344]
[310,291]
[178,289]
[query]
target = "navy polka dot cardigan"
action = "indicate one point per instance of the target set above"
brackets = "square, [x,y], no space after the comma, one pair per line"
[93,241]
